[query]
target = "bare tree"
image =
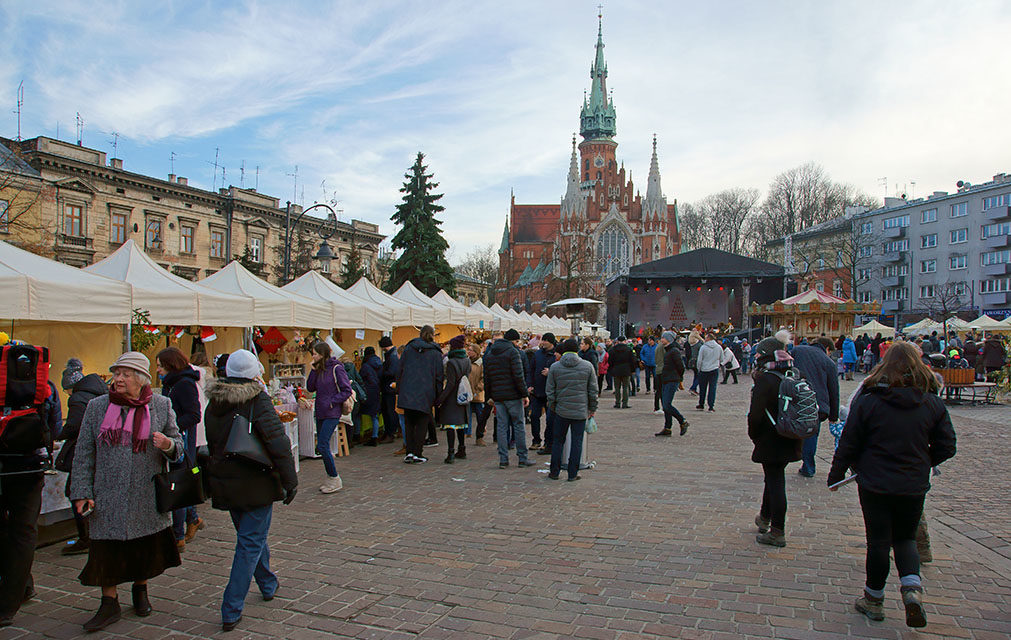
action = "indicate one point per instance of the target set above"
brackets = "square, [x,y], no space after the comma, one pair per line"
[839,252]
[575,274]
[724,215]
[21,199]
[482,263]
[695,228]
[946,301]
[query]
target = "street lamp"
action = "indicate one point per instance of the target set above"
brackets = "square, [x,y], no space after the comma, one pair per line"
[325,254]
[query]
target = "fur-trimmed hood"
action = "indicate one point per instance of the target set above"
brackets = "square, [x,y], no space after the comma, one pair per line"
[232,391]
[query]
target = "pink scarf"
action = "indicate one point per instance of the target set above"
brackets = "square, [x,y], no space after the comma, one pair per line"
[133,428]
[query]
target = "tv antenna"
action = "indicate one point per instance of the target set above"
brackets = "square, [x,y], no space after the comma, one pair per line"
[214,182]
[257,183]
[883,181]
[242,175]
[21,102]
[912,189]
[114,143]
[80,129]
[294,189]
[172,162]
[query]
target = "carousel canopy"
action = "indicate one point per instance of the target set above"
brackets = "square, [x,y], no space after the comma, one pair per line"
[814,295]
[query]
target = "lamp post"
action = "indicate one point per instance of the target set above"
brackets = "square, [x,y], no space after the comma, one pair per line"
[325,254]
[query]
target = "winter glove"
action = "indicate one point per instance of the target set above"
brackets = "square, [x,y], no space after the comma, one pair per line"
[289,495]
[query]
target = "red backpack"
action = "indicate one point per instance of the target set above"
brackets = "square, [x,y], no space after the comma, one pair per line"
[24,388]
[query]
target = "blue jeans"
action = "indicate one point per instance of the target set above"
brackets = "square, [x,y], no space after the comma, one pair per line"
[324,431]
[375,424]
[180,517]
[251,560]
[807,453]
[649,375]
[635,378]
[509,424]
[707,386]
[669,410]
[562,427]
[537,405]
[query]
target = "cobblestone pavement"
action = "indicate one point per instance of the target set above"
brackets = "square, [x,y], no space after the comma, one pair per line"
[656,541]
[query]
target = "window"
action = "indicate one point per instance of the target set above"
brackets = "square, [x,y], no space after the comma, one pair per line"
[958,262]
[256,248]
[995,286]
[897,245]
[895,270]
[1002,200]
[864,296]
[959,235]
[820,286]
[117,228]
[863,274]
[821,262]
[73,220]
[217,243]
[866,252]
[4,216]
[960,288]
[612,250]
[153,234]
[837,288]
[929,240]
[996,229]
[894,294]
[927,291]
[866,227]
[896,221]
[186,233]
[928,266]
[838,259]
[928,215]
[995,257]
[960,209]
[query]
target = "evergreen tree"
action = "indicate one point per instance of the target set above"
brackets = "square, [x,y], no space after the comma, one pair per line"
[353,270]
[423,260]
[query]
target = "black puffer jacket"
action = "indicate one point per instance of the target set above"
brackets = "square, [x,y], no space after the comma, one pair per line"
[87,389]
[892,437]
[673,365]
[770,447]
[181,388]
[421,374]
[504,377]
[621,361]
[447,410]
[371,371]
[235,484]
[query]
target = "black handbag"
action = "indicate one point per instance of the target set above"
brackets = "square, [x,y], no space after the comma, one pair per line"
[179,488]
[244,444]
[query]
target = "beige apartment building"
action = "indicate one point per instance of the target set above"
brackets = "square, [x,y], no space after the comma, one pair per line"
[90,205]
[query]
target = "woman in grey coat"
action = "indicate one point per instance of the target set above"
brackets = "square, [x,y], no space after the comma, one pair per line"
[126,438]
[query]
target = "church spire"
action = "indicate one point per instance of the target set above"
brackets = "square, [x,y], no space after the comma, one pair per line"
[597,118]
[504,247]
[655,204]
[574,200]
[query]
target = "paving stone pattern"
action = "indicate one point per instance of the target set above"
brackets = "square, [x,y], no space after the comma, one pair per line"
[656,542]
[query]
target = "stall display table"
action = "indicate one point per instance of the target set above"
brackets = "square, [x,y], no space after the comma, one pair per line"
[291,430]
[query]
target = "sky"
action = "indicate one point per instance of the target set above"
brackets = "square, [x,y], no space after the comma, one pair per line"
[912,91]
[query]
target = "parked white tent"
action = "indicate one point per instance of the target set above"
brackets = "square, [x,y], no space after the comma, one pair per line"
[37,288]
[271,305]
[349,311]
[473,317]
[873,328]
[531,322]
[443,314]
[986,323]
[926,324]
[510,319]
[404,313]
[496,320]
[169,299]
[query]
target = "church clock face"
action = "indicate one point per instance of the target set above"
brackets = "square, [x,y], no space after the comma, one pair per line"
[598,161]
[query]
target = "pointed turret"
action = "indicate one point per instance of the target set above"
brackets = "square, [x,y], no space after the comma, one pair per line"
[655,204]
[597,118]
[504,247]
[574,200]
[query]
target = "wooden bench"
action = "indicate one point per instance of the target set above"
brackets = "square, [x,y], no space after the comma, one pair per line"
[958,382]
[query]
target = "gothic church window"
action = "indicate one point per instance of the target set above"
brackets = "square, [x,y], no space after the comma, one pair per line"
[612,250]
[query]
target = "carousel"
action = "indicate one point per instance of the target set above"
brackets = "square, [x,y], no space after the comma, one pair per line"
[813,313]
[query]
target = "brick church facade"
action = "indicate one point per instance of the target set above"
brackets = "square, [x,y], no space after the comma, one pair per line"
[602,226]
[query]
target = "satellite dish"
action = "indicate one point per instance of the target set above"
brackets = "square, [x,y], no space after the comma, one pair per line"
[959,184]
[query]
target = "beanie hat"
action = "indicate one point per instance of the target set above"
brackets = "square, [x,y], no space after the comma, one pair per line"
[220,361]
[621,338]
[457,342]
[668,336]
[549,337]
[369,351]
[73,374]
[385,342]
[133,360]
[511,335]
[243,364]
[768,347]
[569,345]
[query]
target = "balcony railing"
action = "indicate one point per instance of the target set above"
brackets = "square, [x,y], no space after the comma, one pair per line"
[999,298]
[998,242]
[79,242]
[894,232]
[996,214]
[895,256]
[997,269]
[892,281]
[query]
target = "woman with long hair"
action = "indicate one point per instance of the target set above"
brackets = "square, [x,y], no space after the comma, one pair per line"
[330,382]
[897,429]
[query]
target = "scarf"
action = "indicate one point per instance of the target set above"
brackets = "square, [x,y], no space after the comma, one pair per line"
[127,421]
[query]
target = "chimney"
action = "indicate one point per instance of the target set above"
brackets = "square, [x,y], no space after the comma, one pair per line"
[939,194]
[116,163]
[183,181]
[171,177]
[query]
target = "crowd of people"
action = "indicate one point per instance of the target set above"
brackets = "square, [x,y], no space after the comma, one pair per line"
[119,434]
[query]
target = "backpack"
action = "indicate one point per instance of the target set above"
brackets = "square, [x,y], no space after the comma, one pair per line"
[464,394]
[24,389]
[798,406]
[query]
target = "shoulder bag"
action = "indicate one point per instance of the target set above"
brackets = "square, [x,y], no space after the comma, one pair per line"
[179,488]
[244,444]
[349,404]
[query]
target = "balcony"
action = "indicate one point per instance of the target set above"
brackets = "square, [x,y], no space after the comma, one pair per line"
[997,269]
[998,299]
[998,242]
[893,281]
[895,256]
[77,242]
[894,232]
[892,306]
[997,214]
[77,251]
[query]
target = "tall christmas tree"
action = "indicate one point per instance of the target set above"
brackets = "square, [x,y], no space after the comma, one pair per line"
[423,260]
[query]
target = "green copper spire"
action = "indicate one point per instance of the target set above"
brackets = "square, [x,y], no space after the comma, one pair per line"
[504,247]
[596,118]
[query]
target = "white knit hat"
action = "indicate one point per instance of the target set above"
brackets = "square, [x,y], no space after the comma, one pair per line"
[243,364]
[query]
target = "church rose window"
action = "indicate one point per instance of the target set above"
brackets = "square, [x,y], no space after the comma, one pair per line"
[612,250]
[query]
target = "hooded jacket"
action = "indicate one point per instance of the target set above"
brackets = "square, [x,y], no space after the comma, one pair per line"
[235,484]
[421,376]
[892,437]
[542,359]
[371,372]
[709,356]
[571,388]
[503,372]
[621,360]
[673,365]
[181,388]
[84,391]
[648,355]
[448,411]
[993,353]
[770,447]
[332,388]
[849,351]
[823,376]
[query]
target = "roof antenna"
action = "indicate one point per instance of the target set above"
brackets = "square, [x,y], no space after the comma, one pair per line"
[256,185]
[214,181]
[172,162]
[294,189]
[114,143]
[80,129]
[21,102]
[242,175]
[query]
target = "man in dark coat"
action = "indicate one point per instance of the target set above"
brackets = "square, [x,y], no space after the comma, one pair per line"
[620,363]
[505,386]
[541,359]
[670,380]
[994,356]
[387,392]
[823,375]
[418,386]
[371,373]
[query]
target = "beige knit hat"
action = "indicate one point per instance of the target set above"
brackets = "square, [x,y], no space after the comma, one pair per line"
[133,360]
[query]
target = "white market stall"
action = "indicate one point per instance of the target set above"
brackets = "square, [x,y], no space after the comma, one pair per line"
[407,317]
[473,317]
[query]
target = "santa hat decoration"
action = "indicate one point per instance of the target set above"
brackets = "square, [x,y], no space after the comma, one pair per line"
[177,332]
[151,329]
[207,334]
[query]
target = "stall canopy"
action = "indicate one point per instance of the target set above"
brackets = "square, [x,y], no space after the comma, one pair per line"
[873,328]
[496,319]
[271,305]
[510,320]
[349,311]
[37,288]
[443,314]
[404,313]
[473,316]
[169,299]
